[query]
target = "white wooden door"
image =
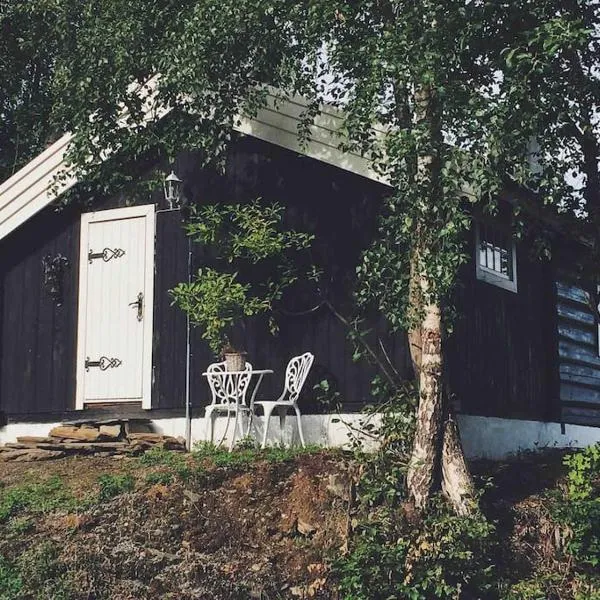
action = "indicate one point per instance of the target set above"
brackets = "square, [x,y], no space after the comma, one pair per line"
[114,348]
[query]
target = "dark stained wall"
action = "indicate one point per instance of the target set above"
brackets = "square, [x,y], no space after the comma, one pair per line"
[38,338]
[502,358]
[503,353]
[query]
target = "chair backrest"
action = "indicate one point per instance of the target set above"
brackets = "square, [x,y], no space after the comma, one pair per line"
[296,373]
[225,387]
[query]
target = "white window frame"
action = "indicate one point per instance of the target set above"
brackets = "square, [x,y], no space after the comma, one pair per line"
[490,276]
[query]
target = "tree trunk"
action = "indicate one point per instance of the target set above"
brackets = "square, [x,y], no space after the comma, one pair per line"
[425,458]
[437,451]
[437,455]
[457,483]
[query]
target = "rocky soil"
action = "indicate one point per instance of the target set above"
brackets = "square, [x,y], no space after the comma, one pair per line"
[226,526]
[189,529]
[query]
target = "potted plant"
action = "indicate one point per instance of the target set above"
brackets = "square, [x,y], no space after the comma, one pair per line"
[216,302]
[235,359]
[250,259]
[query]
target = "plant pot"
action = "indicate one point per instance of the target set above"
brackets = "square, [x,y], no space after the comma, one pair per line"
[235,361]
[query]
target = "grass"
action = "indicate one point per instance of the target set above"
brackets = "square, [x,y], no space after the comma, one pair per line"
[41,497]
[172,465]
[114,485]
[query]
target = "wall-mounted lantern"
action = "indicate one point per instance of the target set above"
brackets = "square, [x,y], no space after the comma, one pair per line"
[172,189]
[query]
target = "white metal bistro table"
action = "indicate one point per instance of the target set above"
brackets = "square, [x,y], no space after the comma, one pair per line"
[233,400]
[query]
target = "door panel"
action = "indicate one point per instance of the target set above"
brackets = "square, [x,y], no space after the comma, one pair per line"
[115,313]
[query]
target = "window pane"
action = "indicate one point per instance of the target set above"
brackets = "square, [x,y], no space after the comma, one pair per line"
[495,252]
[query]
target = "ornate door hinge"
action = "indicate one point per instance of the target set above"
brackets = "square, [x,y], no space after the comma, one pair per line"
[106,254]
[104,363]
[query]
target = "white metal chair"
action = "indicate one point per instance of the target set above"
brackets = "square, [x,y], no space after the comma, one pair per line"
[228,390]
[295,376]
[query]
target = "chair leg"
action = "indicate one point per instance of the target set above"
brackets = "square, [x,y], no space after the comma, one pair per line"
[299,419]
[235,428]
[209,427]
[267,417]
[250,418]
[282,416]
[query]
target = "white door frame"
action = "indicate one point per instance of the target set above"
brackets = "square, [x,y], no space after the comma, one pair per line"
[147,211]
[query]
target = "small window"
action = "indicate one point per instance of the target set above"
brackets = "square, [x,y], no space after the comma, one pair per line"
[495,256]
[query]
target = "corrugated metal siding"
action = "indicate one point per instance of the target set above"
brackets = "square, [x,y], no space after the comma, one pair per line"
[579,360]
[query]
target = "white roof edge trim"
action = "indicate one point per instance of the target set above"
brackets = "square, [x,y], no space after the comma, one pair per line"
[31,189]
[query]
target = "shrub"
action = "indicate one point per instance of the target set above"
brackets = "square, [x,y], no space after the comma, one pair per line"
[445,556]
[579,509]
[441,555]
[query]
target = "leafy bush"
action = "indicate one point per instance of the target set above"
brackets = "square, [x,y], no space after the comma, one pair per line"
[114,485]
[254,260]
[392,553]
[445,556]
[579,510]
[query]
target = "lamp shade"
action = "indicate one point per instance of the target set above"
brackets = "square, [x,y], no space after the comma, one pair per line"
[172,189]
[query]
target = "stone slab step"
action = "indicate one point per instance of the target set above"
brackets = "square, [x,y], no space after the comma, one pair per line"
[30,454]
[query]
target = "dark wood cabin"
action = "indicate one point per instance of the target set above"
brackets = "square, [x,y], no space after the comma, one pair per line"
[529,353]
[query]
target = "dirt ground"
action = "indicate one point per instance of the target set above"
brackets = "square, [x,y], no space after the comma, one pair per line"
[264,528]
[264,531]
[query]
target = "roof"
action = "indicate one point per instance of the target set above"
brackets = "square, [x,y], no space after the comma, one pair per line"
[32,188]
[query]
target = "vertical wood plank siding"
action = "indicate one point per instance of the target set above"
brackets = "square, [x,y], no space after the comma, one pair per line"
[579,358]
[38,338]
[502,355]
[502,359]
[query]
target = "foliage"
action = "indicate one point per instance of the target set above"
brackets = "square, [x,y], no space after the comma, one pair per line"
[170,461]
[244,455]
[393,554]
[11,582]
[26,86]
[579,510]
[44,496]
[36,573]
[247,241]
[114,485]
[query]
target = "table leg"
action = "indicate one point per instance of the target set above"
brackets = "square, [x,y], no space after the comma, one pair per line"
[252,398]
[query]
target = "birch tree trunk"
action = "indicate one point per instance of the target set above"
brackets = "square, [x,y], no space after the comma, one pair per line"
[425,459]
[437,456]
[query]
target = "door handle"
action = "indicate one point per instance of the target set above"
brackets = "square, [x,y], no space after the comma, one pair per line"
[139,303]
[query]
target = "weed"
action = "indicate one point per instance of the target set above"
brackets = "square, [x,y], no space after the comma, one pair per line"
[245,455]
[19,525]
[36,573]
[42,573]
[160,477]
[176,462]
[44,497]
[114,485]
[11,582]
[578,508]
